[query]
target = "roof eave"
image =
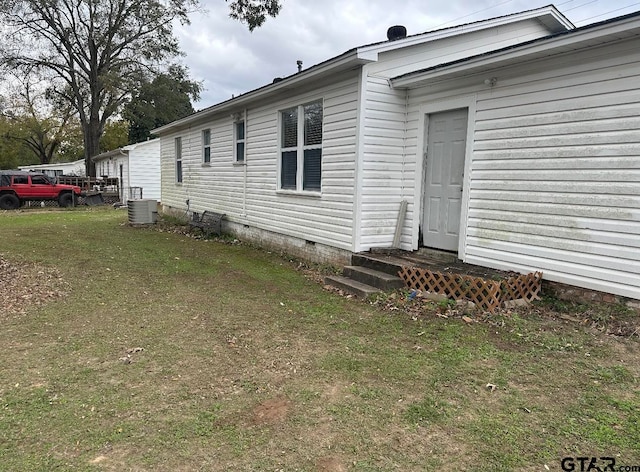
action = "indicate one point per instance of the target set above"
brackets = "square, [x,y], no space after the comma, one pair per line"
[339,63]
[549,16]
[496,58]
[131,147]
[110,154]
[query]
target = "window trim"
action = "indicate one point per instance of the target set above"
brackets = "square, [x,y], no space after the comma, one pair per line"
[179,171]
[206,160]
[300,148]
[240,160]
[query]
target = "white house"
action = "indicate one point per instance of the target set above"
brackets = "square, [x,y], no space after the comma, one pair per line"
[144,168]
[76,168]
[514,142]
[136,165]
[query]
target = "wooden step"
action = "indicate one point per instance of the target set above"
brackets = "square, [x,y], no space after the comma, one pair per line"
[351,286]
[373,277]
[436,255]
[377,263]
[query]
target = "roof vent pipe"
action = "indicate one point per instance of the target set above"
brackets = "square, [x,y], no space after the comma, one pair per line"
[299,62]
[396,32]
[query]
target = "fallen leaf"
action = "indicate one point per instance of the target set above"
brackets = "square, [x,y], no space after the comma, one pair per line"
[98,459]
[491,386]
[466,319]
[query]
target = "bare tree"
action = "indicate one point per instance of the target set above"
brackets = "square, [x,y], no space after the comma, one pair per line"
[97,52]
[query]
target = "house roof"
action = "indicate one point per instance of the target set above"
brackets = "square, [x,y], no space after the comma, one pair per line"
[109,154]
[549,16]
[123,151]
[54,165]
[614,29]
[131,147]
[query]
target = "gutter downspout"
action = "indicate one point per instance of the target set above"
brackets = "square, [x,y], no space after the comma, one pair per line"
[245,176]
[126,154]
[356,244]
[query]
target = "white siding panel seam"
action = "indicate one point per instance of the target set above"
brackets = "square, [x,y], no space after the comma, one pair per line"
[599,241]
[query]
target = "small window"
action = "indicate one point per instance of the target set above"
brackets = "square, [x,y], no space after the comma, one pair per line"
[301,148]
[206,146]
[178,145]
[39,180]
[21,180]
[239,139]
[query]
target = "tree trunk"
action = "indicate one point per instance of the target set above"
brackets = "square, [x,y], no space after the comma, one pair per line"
[91,145]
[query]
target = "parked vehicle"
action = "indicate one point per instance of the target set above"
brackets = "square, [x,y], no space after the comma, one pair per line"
[17,187]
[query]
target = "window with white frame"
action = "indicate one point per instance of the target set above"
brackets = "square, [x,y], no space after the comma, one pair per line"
[239,140]
[206,146]
[301,148]
[178,146]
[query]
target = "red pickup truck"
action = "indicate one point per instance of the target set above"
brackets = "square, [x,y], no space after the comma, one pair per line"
[17,187]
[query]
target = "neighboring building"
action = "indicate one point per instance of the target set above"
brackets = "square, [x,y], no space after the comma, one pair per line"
[137,166]
[144,169]
[75,168]
[514,142]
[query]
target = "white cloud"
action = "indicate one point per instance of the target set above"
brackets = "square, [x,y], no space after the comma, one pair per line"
[229,60]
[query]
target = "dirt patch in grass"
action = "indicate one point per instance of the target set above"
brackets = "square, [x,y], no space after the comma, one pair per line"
[330,464]
[271,411]
[27,284]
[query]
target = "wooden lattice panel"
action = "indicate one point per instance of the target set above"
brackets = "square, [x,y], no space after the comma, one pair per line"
[522,286]
[486,294]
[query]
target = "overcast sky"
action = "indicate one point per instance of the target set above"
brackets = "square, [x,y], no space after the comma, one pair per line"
[228,59]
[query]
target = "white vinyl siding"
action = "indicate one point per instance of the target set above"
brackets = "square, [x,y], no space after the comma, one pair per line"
[555,171]
[402,61]
[389,134]
[144,168]
[249,194]
[384,165]
[110,167]
[61,168]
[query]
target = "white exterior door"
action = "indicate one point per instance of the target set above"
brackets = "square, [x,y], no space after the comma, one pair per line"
[446,144]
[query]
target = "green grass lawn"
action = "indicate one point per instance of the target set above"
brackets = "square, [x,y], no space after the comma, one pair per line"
[247,364]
